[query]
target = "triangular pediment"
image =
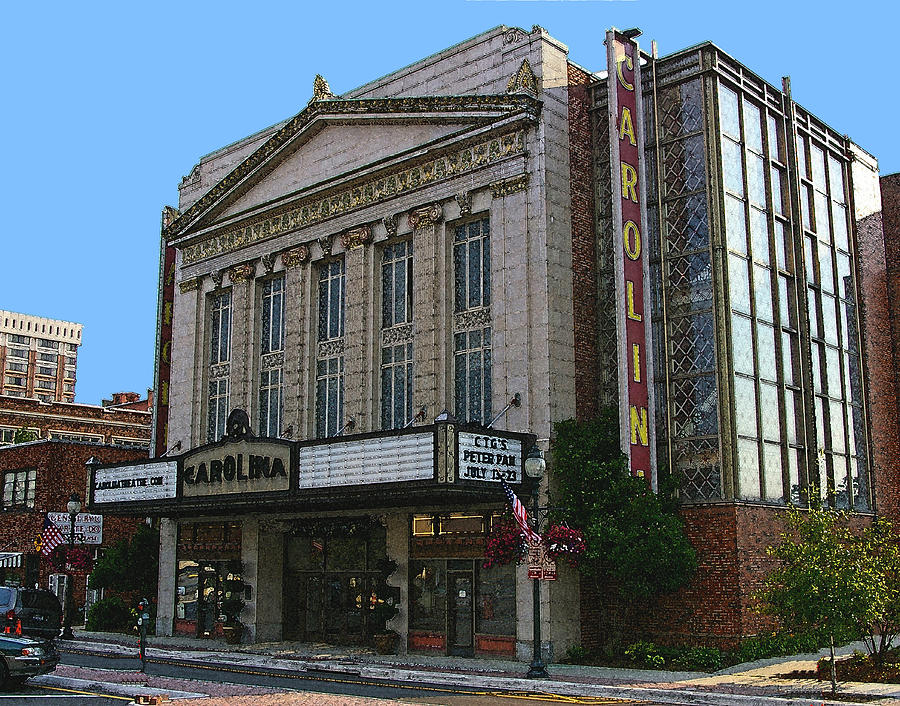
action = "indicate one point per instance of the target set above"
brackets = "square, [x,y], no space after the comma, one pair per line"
[337,150]
[335,137]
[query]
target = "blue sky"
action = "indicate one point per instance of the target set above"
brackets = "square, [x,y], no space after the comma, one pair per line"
[108,105]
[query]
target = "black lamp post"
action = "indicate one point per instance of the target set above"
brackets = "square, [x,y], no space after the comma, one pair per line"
[534,469]
[73,507]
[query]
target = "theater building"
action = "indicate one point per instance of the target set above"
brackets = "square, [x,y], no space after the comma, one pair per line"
[403,287]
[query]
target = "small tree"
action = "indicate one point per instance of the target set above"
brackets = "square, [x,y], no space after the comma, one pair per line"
[130,565]
[832,580]
[634,539]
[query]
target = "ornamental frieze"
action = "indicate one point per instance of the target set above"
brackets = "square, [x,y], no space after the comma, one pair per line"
[477,318]
[523,80]
[327,349]
[356,237]
[397,334]
[295,256]
[219,371]
[425,216]
[375,191]
[272,360]
[189,285]
[509,186]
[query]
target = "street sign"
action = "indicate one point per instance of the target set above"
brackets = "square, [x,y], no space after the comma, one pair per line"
[88,527]
[540,566]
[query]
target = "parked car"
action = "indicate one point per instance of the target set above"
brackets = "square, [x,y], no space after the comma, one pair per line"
[23,657]
[29,611]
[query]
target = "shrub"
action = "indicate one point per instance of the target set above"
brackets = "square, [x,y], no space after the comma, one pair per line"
[110,614]
[645,654]
[699,659]
[576,654]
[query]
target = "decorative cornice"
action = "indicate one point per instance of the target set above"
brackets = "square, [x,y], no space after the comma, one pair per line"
[321,90]
[523,80]
[326,242]
[371,192]
[390,224]
[241,273]
[189,285]
[507,103]
[509,186]
[268,262]
[464,201]
[295,256]
[425,216]
[356,237]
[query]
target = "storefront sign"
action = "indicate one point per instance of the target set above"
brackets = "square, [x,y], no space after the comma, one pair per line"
[88,527]
[164,351]
[626,126]
[385,459]
[143,481]
[239,467]
[484,457]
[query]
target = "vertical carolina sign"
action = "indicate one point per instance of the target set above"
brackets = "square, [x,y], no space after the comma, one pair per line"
[163,349]
[626,132]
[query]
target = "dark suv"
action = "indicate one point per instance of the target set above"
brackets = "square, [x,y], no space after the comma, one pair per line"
[29,611]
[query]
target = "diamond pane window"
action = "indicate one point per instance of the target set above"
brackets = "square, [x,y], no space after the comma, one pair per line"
[748,469]
[733,163]
[739,283]
[759,235]
[773,472]
[745,406]
[728,112]
[735,224]
[742,344]
[762,292]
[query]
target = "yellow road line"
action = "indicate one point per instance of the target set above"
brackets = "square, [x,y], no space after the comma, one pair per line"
[85,693]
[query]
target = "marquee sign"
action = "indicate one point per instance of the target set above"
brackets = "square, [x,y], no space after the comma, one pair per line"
[489,458]
[255,466]
[135,483]
[626,126]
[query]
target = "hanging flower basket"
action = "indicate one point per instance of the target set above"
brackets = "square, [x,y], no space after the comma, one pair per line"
[504,544]
[564,543]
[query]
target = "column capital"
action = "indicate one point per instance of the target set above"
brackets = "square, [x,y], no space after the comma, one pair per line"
[425,216]
[295,256]
[189,285]
[241,273]
[356,237]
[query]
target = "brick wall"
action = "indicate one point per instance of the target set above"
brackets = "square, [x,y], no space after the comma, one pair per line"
[584,254]
[61,470]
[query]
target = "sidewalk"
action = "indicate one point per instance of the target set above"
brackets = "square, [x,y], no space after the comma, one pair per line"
[742,685]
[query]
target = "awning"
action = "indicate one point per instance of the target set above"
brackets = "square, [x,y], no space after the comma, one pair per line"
[10,560]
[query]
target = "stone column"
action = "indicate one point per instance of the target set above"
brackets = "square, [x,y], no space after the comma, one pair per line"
[398,550]
[242,372]
[296,316]
[268,589]
[358,328]
[185,378]
[165,605]
[250,574]
[429,301]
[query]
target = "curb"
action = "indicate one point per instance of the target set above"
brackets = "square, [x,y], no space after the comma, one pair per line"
[114,688]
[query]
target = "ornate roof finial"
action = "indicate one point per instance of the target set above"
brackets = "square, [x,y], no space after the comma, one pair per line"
[321,90]
[523,80]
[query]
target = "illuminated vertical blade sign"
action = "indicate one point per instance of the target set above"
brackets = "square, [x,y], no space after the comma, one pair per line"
[163,351]
[626,132]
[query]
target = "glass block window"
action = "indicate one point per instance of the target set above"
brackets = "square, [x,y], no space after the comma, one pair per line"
[396,284]
[331,300]
[220,328]
[217,409]
[396,385]
[18,488]
[472,265]
[329,396]
[472,366]
[272,316]
[270,402]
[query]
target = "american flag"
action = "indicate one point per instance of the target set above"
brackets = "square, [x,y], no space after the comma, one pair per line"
[51,537]
[521,516]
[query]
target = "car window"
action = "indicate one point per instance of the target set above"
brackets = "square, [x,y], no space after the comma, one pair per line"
[5,596]
[40,599]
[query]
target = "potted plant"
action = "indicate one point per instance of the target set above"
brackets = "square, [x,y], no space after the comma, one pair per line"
[233,628]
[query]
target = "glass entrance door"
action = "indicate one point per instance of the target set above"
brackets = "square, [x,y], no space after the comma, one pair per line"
[460,614]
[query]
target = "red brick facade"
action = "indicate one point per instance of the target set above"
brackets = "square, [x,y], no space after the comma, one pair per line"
[60,471]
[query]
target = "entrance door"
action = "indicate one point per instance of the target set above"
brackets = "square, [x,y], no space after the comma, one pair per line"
[460,614]
[208,600]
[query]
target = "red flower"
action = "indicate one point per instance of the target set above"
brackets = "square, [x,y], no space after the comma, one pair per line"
[564,543]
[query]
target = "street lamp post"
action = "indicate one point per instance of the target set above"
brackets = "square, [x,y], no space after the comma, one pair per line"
[73,507]
[534,469]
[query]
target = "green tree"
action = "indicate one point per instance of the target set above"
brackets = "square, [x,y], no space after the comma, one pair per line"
[130,565]
[635,541]
[22,435]
[839,582]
